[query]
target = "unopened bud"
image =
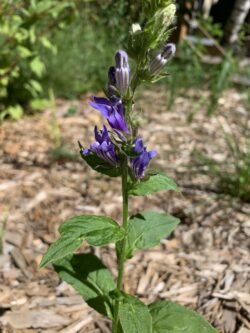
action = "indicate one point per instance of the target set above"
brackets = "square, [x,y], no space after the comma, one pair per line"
[157,63]
[121,59]
[168,51]
[136,28]
[167,15]
[122,71]
[111,75]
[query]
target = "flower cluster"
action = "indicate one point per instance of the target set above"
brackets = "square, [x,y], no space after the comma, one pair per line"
[113,110]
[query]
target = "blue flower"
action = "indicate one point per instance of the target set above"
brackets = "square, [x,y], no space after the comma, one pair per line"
[140,162]
[103,147]
[112,110]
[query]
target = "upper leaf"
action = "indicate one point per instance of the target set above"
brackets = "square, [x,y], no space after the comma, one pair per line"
[146,229]
[173,318]
[154,183]
[61,248]
[97,230]
[90,278]
[134,315]
[99,165]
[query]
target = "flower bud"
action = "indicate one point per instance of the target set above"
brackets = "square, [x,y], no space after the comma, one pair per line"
[122,71]
[167,15]
[157,64]
[168,51]
[136,28]
[111,76]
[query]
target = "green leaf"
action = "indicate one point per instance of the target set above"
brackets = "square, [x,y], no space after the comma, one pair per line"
[134,315]
[97,230]
[154,183]
[171,317]
[61,248]
[37,66]
[90,278]
[24,52]
[15,112]
[146,229]
[47,44]
[99,165]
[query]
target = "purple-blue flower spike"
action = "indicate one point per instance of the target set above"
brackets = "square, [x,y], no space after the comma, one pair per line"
[122,71]
[103,147]
[112,110]
[140,162]
[157,64]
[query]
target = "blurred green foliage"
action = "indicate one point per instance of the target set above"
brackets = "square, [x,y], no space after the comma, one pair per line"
[25,26]
[65,45]
[86,47]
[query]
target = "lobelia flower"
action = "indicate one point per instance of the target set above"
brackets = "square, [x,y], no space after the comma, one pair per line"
[103,147]
[122,71]
[157,64]
[140,162]
[112,110]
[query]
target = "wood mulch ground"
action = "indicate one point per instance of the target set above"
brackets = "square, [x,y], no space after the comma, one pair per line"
[205,264]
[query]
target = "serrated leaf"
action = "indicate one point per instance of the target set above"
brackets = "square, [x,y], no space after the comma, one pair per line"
[99,165]
[97,230]
[134,315]
[146,229]
[64,246]
[154,183]
[90,278]
[173,318]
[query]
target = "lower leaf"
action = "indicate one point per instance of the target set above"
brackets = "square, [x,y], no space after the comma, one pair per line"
[134,315]
[171,317]
[90,278]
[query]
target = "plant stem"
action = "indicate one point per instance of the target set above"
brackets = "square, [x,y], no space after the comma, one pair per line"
[122,257]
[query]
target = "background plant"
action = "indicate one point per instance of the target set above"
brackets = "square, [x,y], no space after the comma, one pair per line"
[25,26]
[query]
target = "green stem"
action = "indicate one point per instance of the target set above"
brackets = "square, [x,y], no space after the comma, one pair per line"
[122,257]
